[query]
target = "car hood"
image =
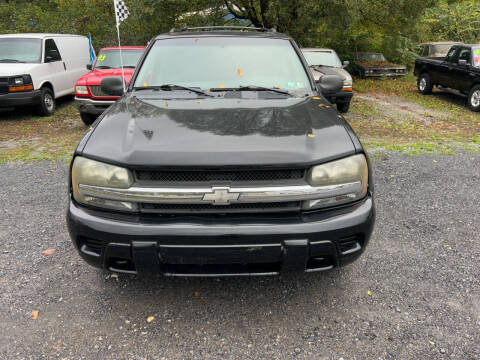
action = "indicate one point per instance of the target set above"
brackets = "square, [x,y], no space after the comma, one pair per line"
[219,132]
[12,69]
[95,77]
[319,71]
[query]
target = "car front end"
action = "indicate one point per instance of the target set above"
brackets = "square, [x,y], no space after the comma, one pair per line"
[227,180]
[18,90]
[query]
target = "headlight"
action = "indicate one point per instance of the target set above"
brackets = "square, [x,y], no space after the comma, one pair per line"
[88,174]
[347,83]
[344,181]
[81,90]
[19,81]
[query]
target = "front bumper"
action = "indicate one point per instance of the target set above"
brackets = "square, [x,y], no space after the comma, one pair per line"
[91,106]
[20,98]
[222,246]
[340,97]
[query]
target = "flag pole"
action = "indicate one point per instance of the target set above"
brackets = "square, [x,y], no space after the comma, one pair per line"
[121,58]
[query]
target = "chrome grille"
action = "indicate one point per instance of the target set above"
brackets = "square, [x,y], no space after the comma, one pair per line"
[215,209]
[213,176]
[96,90]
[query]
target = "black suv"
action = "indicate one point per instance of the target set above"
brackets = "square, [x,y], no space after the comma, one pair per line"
[222,158]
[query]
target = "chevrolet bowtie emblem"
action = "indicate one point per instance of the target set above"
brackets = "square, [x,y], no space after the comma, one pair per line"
[220,196]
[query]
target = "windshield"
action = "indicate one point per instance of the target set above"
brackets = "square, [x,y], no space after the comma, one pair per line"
[371,57]
[322,58]
[111,58]
[223,62]
[20,50]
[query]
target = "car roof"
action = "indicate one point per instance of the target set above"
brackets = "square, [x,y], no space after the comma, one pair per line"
[123,48]
[442,43]
[37,35]
[317,50]
[221,33]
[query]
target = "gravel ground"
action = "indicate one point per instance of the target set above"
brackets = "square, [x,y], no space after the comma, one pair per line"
[415,294]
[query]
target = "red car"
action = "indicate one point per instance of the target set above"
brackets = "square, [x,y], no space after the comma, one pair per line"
[89,97]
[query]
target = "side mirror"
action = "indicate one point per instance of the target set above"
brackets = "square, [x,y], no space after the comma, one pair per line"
[112,85]
[49,58]
[330,84]
[89,67]
[346,64]
[462,62]
[52,55]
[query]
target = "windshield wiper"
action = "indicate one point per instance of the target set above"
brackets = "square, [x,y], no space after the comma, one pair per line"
[129,66]
[170,87]
[11,60]
[103,67]
[262,88]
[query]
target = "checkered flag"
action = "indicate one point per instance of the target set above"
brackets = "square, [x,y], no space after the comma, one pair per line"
[121,11]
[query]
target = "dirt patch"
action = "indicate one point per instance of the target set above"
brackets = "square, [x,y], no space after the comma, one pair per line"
[26,136]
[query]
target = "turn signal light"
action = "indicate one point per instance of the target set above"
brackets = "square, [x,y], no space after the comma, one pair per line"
[347,89]
[20,88]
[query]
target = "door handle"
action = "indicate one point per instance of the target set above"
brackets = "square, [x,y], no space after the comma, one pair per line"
[64,66]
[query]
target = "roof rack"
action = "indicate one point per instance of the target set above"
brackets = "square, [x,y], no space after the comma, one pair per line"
[212,28]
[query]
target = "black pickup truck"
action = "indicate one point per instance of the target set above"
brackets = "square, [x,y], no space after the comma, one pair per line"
[459,70]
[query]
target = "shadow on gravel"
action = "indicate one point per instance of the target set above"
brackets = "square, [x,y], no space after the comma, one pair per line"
[232,299]
[451,97]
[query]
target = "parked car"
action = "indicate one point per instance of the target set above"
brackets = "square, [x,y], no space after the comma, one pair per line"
[36,69]
[459,70]
[326,62]
[436,49]
[221,159]
[91,101]
[375,65]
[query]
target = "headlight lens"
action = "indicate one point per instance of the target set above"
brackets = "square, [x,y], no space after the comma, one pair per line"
[81,90]
[347,83]
[19,81]
[345,180]
[86,172]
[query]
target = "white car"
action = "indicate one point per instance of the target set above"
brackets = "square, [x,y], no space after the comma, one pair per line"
[36,69]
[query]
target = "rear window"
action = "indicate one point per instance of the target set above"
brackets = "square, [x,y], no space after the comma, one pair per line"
[224,62]
[476,57]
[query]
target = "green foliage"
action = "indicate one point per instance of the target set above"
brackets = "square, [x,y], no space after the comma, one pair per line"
[389,26]
[459,21]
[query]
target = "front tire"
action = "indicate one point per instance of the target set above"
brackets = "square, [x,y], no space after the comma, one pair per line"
[47,102]
[424,84]
[474,99]
[88,119]
[343,107]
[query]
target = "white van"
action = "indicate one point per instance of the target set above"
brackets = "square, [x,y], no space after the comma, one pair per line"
[36,69]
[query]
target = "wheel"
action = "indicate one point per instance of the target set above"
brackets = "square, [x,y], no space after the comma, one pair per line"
[88,119]
[474,98]
[424,84]
[343,107]
[47,102]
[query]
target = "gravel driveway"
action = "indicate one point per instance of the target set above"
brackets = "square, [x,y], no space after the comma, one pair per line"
[415,294]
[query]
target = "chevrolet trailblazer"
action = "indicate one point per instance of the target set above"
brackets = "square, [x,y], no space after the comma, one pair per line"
[221,159]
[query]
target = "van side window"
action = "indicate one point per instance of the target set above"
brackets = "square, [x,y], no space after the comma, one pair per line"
[465,54]
[51,51]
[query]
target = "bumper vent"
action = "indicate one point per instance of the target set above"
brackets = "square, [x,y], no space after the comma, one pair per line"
[215,209]
[240,176]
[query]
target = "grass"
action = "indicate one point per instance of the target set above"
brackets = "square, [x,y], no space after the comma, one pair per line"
[392,115]
[388,115]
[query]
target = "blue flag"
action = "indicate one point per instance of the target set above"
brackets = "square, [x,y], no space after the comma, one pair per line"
[92,51]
